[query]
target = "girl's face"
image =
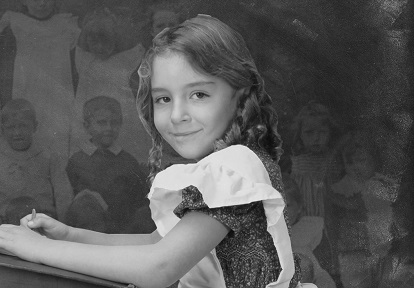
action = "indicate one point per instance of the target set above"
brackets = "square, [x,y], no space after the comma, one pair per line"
[40,8]
[191,110]
[315,135]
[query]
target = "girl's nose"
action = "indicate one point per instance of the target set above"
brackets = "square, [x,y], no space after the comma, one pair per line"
[179,112]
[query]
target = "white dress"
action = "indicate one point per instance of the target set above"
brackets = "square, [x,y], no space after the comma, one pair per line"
[110,77]
[229,177]
[42,72]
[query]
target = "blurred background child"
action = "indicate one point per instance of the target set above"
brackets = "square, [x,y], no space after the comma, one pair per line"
[106,56]
[306,235]
[315,166]
[26,168]
[103,166]
[164,15]
[42,67]
[365,234]
[88,211]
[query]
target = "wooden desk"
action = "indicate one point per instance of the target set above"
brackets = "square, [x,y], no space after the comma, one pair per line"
[17,273]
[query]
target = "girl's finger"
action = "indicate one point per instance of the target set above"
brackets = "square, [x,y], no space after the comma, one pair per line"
[37,222]
[25,219]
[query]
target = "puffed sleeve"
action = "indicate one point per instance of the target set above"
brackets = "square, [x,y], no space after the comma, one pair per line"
[234,217]
[233,176]
[229,177]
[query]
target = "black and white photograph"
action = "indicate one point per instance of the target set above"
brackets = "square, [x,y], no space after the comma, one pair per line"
[206,144]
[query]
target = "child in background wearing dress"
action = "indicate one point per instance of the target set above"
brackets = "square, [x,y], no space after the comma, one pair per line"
[26,168]
[306,235]
[103,166]
[315,166]
[164,15]
[366,197]
[43,69]
[220,221]
[106,56]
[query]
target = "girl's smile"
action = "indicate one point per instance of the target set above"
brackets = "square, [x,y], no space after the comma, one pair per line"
[191,109]
[184,135]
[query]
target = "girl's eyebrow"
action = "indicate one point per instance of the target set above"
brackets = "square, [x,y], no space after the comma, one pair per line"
[189,85]
[153,90]
[200,83]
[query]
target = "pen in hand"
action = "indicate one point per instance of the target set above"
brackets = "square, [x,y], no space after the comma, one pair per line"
[33,214]
[33,217]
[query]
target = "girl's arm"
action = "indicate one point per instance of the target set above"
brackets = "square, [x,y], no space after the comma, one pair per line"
[97,238]
[168,260]
[56,230]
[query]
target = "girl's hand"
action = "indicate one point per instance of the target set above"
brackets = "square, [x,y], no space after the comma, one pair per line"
[22,242]
[47,226]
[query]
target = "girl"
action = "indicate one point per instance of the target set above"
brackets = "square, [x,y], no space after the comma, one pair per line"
[42,66]
[220,221]
[315,166]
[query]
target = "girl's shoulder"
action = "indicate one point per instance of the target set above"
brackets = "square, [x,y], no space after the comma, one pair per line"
[231,176]
[238,158]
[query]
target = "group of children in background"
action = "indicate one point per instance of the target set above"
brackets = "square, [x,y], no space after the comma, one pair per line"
[73,108]
[101,176]
[72,147]
[340,204]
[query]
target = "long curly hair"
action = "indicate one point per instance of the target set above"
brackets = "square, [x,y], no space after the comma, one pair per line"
[313,110]
[213,48]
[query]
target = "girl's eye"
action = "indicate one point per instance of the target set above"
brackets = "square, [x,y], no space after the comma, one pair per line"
[199,95]
[162,100]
